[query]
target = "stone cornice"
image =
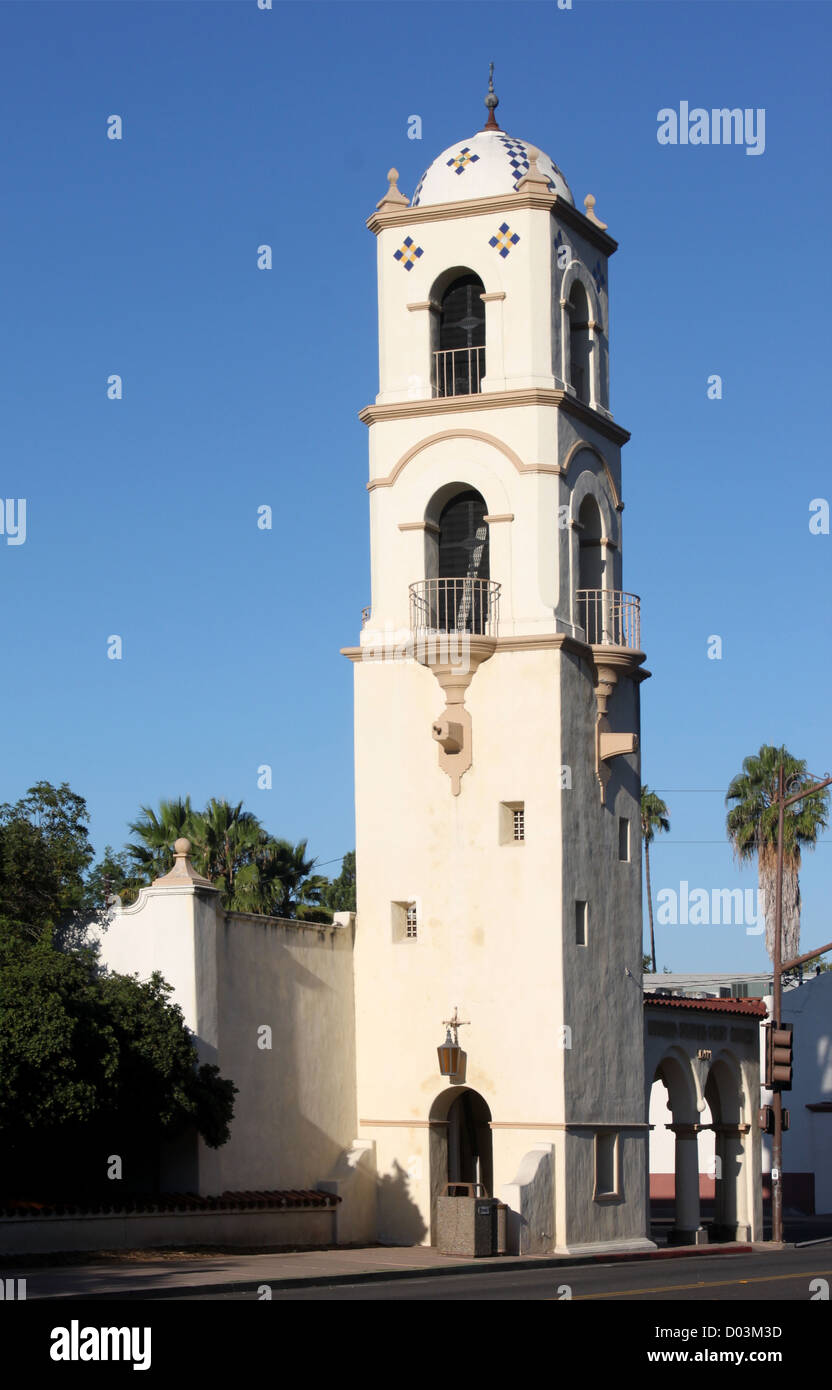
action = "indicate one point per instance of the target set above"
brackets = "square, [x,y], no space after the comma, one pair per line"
[501,202]
[496,400]
[547,641]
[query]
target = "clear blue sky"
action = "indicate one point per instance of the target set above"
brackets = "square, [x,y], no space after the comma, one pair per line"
[138,257]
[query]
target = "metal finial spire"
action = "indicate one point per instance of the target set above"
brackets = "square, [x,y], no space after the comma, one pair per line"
[491,101]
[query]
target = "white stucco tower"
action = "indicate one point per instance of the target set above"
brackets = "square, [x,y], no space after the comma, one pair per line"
[497,774]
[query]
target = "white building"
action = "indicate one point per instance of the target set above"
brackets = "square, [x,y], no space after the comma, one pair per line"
[497,773]
[497,789]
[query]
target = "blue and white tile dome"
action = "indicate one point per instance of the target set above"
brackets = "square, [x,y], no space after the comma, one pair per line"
[489,163]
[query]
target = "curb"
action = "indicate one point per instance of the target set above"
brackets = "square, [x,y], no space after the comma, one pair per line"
[383,1276]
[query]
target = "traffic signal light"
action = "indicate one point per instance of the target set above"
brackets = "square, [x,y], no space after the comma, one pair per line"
[766,1119]
[779,1056]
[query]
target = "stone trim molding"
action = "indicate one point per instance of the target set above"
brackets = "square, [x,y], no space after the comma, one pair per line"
[606,1125]
[512,1124]
[426,304]
[421,526]
[497,400]
[498,202]
[480,435]
[402,1124]
[497,516]
[495,294]
[581,445]
[524,642]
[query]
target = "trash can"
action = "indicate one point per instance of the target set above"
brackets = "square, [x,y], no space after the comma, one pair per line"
[467,1224]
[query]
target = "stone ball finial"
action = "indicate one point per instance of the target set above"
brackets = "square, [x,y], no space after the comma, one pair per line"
[589,204]
[393,195]
[182,846]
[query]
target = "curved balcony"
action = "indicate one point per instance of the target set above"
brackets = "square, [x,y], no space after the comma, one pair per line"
[610,617]
[455,605]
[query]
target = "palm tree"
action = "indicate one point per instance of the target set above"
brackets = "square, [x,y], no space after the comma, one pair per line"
[232,849]
[295,891]
[752,829]
[153,856]
[654,818]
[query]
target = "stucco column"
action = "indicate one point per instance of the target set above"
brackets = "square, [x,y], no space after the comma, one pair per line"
[729,1215]
[687,1229]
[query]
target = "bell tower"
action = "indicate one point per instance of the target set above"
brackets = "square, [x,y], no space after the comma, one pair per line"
[497,716]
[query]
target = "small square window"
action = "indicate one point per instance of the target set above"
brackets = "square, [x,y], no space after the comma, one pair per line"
[581,923]
[404,917]
[607,1183]
[512,822]
[623,838]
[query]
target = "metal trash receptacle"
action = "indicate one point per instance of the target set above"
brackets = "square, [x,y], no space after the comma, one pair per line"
[466,1224]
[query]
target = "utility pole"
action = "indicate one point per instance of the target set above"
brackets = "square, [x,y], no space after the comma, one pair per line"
[779,967]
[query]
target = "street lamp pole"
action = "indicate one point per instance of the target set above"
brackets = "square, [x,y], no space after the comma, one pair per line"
[777,1142]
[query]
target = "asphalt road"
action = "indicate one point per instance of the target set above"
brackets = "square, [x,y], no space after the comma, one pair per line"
[782,1276]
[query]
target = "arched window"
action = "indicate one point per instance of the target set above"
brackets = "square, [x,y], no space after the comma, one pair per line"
[457,595]
[463,537]
[579,341]
[459,362]
[591,611]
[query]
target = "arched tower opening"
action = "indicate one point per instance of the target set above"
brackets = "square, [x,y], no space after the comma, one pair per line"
[591,612]
[459,346]
[579,317]
[457,590]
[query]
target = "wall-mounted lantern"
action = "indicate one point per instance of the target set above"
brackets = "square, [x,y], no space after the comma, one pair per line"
[450,1052]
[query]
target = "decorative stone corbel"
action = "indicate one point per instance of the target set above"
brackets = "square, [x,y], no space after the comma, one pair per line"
[452,730]
[610,745]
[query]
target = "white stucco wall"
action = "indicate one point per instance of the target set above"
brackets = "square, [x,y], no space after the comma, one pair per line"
[233,975]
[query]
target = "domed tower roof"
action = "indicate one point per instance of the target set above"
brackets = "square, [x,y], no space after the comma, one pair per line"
[490,162]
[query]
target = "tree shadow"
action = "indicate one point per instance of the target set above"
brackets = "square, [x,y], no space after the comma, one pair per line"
[399,1218]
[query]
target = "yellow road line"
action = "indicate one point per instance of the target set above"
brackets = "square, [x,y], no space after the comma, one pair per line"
[700,1284]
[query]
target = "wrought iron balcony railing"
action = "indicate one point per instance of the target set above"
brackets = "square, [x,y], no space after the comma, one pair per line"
[610,617]
[455,605]
[458,371]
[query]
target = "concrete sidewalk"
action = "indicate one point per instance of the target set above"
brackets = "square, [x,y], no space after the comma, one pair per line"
[178,1274]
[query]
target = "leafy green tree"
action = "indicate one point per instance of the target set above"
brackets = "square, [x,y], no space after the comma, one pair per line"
[752,829]
[654,818]
[91,1065]
[340,895]
[113,876]
[44,854]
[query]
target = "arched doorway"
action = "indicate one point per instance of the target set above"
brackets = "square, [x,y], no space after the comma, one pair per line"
[460,1144]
